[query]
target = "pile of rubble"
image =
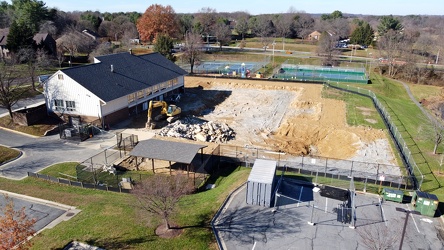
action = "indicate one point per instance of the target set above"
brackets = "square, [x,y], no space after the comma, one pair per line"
[199,131]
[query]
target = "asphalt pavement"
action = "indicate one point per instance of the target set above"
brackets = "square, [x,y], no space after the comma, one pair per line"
[243,226]
[46,213]
[39,153]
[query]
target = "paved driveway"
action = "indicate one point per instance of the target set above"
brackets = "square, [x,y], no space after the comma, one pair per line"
[39,153]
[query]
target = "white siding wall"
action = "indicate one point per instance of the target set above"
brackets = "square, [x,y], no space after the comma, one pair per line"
[69,90]
[88,104]
[115,105]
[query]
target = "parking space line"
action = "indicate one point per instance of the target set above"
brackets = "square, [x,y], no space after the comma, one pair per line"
[413,218]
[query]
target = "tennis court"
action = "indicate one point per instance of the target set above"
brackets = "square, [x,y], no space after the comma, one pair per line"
[319,73]
[227,67]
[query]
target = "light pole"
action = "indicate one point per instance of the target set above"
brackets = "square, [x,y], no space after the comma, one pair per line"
[274,43]
[315,190]
[407,213]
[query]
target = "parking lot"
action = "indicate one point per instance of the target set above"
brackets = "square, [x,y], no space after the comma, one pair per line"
[46,213]
[312,223]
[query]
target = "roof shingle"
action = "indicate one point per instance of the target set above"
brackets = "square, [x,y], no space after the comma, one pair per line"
[130,74]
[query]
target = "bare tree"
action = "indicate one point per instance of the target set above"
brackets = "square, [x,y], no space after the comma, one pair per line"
[379,236]
[206,17]
[304,24]
[159,195]
[242,24]
[15,227]
[433,132]
[222,33]
[284,23]
[391,46]
[34,60]
[11,86]
[74,42]
[326,49]
[192,48]
[264,28]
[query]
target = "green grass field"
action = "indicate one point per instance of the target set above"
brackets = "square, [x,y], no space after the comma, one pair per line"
[414,127]
[112,221]
[7,154]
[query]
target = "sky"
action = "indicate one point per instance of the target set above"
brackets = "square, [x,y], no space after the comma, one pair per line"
[254,7]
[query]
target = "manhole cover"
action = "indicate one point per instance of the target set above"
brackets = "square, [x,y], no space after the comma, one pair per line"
[69,214]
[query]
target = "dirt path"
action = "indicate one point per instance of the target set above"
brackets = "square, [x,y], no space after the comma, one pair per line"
[291,117]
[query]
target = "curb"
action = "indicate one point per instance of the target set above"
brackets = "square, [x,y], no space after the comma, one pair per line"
[38,200]
[13,159]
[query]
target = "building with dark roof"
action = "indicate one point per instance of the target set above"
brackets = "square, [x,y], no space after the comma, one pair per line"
[113,87]
[45,41]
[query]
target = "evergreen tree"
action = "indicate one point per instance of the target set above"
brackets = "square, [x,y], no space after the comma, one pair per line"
[389,23]
[164,44]
[19,36]
[362,35]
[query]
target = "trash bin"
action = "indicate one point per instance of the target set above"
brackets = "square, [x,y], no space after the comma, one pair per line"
[393,195]
[425,203]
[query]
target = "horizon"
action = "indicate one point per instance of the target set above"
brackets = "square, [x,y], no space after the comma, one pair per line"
[377,7]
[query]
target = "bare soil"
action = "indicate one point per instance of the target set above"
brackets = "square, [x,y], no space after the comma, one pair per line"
[291,117]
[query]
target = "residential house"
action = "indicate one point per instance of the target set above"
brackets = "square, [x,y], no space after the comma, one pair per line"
[113,87]
[315,35]
[4,52]
[46,41]
[91,34]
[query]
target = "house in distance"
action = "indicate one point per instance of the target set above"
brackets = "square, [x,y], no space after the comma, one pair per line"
[112,88]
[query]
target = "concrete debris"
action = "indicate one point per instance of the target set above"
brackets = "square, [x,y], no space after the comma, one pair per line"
[197,130]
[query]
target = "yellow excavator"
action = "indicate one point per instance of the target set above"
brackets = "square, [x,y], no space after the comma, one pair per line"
[169,112]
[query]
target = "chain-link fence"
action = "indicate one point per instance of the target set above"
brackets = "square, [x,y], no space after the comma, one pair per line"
[335,172]
[406,155]
[100,168]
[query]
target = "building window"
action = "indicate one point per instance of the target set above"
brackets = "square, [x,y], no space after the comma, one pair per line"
[140,94]
[60,76]
[70,106]
[131,98]
[58,105]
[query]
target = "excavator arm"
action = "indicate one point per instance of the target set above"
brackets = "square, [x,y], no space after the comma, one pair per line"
[151,106]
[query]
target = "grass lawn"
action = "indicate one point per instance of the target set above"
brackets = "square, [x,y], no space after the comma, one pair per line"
[360,109]
[425,91]
[7,154]
[111,221]
[61,170]
[415,129]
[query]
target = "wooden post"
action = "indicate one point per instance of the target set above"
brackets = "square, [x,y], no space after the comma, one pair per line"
[188,169]
[170,166]
[152,164]
[201,155]
[137,164]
